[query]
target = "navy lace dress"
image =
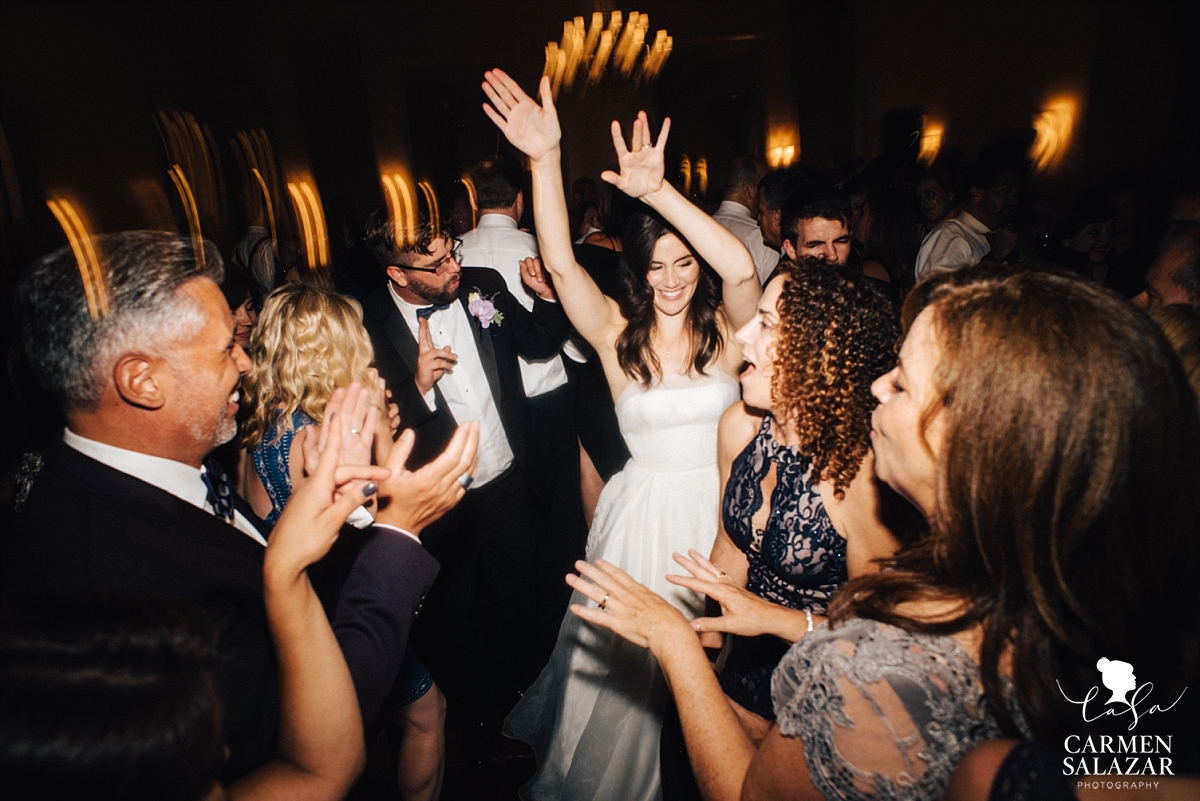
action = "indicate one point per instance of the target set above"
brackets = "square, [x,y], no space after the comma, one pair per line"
[798,559]
[271,457]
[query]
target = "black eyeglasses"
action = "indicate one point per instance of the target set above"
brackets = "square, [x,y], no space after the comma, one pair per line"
[454,255]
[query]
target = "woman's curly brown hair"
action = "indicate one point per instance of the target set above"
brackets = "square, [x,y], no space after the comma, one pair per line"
[837,334]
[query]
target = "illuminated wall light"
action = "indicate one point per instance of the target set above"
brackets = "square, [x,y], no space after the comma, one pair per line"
[634,38]
[783,147]
[262,185]
[312,221]
[400,207]
[189,145]
[470,185]
[1053,128]
[318,214]
[574,39]
[306,223]
[931,141]
[395,209]
[781,156]
[95,289]
[600,60]
[191,212]
[591,48]
[685,171]
[593,35]
[435,216]
[702,176]
[551,60]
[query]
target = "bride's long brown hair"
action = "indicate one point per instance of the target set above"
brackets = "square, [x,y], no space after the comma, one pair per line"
[634,351]
[1068,493]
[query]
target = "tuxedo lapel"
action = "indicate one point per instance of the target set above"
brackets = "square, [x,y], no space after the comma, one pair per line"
[486,349]
[401,338]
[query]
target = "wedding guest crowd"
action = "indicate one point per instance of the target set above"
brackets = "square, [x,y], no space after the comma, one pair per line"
[861,481]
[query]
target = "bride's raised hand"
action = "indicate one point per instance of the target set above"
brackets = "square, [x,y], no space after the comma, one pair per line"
[642,163]
[531,128]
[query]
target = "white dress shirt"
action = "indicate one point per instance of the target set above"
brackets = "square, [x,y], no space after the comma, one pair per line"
[736,217]
[181,480]
[498,243]
[960,242]
[465,387]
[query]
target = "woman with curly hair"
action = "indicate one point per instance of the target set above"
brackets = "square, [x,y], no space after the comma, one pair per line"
[1047,434]
[801,510]
[308,342]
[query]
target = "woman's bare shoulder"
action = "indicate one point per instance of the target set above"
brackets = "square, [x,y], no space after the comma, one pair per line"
[739,423]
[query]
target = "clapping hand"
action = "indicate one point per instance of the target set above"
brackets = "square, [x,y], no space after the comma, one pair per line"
[534,276]
[357,417]
[320,503]
[630,609]
[531,128]
[642,164]
[412,499]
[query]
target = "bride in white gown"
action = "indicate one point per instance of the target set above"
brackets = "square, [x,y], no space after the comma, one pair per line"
[594,715]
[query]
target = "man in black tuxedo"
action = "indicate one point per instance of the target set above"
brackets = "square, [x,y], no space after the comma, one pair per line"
[446,341]
[144,360]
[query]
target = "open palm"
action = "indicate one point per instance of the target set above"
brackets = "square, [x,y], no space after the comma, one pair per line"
[531,128]
[642,163]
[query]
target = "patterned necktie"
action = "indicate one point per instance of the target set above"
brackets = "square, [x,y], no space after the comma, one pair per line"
[220,491]
[426,312]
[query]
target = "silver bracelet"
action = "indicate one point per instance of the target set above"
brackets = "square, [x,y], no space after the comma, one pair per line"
[808,617]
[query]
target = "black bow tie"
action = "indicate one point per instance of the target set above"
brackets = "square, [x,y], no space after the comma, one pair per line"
[427,312]
[220,490]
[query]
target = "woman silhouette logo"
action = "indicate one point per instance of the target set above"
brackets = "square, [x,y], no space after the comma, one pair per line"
[1118,677]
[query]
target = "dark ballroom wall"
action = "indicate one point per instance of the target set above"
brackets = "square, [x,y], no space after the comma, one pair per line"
[345,88]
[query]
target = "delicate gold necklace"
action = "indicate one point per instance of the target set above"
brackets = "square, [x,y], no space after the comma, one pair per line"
[674,343]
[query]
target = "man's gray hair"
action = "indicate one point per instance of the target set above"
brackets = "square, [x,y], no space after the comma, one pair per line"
[68,349]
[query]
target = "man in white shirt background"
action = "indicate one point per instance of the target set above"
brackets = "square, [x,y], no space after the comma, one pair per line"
[739,212]
[978,232]
[498,243]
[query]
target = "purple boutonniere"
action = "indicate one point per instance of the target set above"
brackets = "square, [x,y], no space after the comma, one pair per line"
[483,309]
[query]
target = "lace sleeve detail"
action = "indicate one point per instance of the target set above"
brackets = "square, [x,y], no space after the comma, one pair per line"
[884,714]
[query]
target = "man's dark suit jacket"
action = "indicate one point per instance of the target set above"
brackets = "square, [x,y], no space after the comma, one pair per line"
[88,526]
[535,335]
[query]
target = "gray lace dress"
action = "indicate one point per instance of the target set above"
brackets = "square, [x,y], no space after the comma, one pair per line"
[883,713]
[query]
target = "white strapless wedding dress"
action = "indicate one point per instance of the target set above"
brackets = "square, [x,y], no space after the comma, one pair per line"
[594,715]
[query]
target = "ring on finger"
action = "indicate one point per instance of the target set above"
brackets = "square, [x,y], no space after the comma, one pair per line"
[465,480]
[604,601]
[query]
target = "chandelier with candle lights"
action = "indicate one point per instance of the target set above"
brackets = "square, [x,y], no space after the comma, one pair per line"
[620,48]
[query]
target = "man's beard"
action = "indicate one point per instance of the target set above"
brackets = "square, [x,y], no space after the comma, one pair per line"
[440,297]
[211,426]
[215,431]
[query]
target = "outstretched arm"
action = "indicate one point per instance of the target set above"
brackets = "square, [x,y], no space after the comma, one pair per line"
[321,749]
[533,129]
[718,747]
[641,176]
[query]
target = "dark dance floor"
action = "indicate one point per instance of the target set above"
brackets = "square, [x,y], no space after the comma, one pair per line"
[482,764]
